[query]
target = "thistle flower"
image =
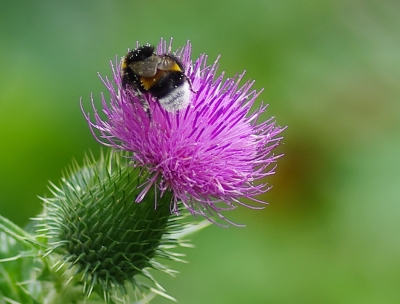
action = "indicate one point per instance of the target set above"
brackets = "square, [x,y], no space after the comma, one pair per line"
[210,155]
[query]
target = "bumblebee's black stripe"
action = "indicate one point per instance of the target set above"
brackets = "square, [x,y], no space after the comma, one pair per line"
[139,54]
[167,84]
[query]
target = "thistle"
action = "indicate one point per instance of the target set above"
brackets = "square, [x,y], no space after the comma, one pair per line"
[109,221]
[208,156]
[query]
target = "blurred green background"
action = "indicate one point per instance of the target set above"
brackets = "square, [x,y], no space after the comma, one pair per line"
[331,73]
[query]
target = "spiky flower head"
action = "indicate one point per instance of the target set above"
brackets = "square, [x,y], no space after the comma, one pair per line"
[99,238]
[210,155]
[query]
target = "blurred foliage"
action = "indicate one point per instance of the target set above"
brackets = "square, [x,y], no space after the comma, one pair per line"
[330,70]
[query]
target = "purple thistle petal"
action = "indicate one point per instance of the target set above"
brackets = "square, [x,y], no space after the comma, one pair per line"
[210,155]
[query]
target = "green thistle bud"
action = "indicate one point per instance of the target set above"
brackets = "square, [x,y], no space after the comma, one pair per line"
[101,236]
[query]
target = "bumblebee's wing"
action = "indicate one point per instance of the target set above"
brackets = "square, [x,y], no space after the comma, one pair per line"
[168,63]
[146,67]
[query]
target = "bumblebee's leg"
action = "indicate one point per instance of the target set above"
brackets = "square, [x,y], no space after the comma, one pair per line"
[145,104]
[134,93]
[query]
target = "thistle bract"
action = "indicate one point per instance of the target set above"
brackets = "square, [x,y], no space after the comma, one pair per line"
[210,155]
[96,229]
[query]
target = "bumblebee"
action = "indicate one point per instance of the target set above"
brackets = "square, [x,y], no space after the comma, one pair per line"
[163,76]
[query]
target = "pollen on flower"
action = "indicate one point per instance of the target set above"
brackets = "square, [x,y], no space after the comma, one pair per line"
[210,155]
